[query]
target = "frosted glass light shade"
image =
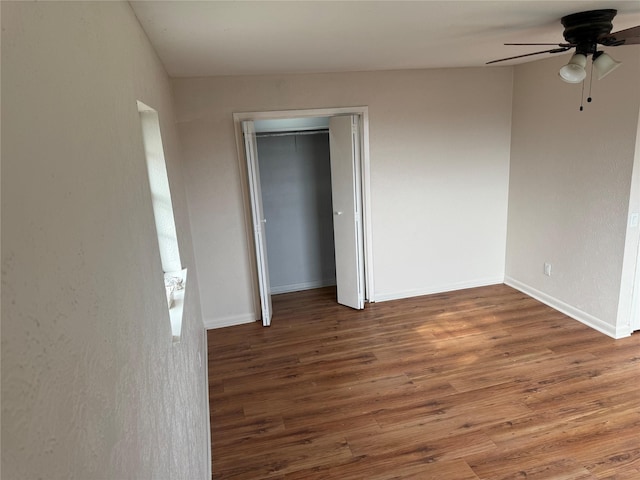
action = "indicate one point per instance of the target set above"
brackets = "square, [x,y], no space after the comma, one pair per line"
[604,65]
[574,72]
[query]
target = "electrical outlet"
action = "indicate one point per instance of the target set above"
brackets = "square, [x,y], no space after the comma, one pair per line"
[633,220]
[547,269]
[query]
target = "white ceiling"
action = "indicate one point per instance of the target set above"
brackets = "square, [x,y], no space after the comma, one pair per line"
[210,38]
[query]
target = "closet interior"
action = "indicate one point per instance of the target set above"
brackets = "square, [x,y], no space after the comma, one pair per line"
[295,179]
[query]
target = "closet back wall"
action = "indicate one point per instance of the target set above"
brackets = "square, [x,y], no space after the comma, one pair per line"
[295,178]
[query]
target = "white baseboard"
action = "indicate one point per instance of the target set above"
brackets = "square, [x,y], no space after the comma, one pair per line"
[569,310]
[298,287]
[482,282]
[229,321]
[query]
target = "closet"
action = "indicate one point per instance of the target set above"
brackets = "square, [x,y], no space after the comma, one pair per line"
[295,180]
[305,187]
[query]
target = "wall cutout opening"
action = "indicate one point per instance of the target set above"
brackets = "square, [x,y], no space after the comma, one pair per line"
[175,277]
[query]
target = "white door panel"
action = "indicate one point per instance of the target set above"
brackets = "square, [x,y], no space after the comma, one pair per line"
[257,216]
[347,224]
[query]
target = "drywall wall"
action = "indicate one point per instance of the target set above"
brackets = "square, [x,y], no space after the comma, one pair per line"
[92,385]
[295,176]
[439,152]
[570,187]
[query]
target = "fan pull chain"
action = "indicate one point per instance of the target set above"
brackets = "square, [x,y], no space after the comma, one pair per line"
[590,82]
[582,97]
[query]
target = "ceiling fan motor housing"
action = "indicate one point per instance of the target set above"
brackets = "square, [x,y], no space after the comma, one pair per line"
[584,29]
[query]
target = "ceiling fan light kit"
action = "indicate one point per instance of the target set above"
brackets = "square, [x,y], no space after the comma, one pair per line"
[603,64]
[574,71]
[584,31]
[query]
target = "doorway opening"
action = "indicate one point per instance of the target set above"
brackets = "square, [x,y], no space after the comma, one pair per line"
[347,131]
[295,181]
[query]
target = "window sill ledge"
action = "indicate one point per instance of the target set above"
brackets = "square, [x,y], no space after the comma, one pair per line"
[176,309]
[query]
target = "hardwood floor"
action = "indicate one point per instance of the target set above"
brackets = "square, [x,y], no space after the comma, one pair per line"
[484,383]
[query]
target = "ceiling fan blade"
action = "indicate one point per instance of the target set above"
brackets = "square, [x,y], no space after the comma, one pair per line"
[553,50]
[630,36]
[569,45]
[631,41]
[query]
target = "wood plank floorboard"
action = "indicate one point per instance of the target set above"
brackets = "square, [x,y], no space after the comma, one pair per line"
[478,384]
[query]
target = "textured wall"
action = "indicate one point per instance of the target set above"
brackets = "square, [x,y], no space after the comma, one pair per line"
[92,386]
[439,145]
[570,185]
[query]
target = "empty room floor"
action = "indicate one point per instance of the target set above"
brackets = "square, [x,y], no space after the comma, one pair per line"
[484,383]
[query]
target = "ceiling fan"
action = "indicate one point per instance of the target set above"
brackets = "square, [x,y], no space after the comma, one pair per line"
[584,31]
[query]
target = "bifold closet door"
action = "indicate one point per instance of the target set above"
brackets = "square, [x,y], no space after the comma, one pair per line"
[344,143]
[257,216]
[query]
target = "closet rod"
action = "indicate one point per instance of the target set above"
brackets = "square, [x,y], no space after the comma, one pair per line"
[297,132]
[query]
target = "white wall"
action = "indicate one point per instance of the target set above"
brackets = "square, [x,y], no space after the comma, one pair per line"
[569,193]
[92,386]
[439,143]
